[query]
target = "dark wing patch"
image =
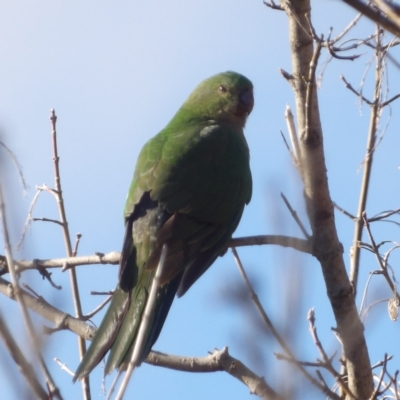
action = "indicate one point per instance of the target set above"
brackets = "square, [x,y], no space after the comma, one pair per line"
[128,269]
[205,259]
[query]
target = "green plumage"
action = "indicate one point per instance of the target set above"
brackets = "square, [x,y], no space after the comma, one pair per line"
[190,186]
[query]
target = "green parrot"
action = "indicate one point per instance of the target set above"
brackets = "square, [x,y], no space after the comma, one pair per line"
[191,184]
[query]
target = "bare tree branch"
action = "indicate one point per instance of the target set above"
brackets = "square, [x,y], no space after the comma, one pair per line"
[67,239]
[376,15]
[327,247]
[219,360]
[113,257]
[373,128]
[61,319]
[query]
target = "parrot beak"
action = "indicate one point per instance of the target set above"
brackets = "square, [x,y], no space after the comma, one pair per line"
[246,102]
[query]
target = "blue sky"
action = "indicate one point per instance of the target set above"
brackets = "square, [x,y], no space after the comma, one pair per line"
[116,72]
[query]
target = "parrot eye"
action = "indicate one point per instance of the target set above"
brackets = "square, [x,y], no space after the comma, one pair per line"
[223,89]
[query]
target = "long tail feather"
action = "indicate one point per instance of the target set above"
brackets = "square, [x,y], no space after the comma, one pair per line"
[105,335]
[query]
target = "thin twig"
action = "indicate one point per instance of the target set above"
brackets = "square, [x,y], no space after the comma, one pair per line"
[77,241]
[28,219]
[63,366]
[67,240]
[295,216]
[273,5]
[32,291]
[321,378]
[310,91]
[288,148]
[272,328]
[280,356]
[327,362]
[343,211]
[394,380]
[25,367]
[378,386]
[380,363]
[48,189]
[17,165]
[364,297]
[43,219]
[378,257]
[383,215]
[353,46]
[108,293]
[373,128]
[293,136]
[347,29]
[55,392]
[358,94]
[387,102]
[367,309]
[286,74]
[334,54]
[97,309]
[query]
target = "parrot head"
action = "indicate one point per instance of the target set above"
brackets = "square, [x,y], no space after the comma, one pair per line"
[226,96]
